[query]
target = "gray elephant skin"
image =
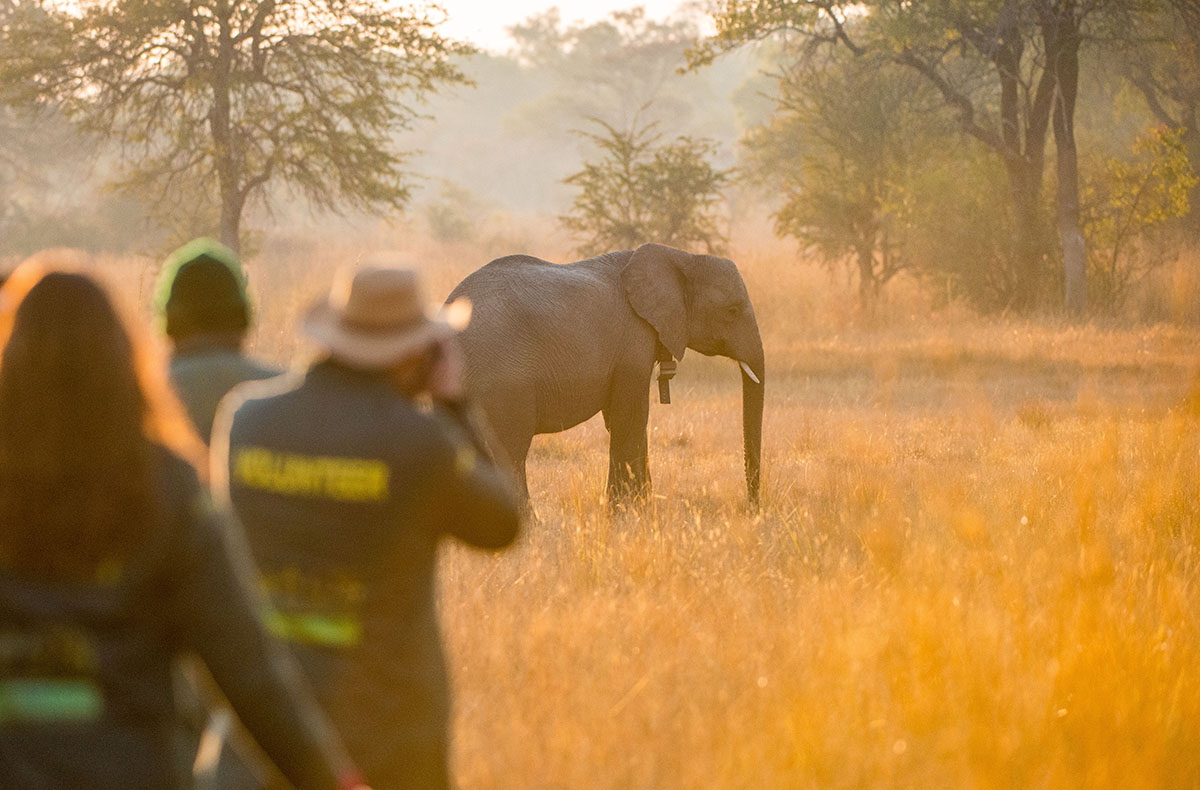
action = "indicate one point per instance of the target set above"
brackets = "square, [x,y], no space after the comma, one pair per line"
[549,345]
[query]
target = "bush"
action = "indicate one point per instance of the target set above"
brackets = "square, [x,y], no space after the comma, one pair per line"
[642,191]
[1127,208]
[454,214]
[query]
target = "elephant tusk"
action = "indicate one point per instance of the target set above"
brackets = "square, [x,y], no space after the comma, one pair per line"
[746,369]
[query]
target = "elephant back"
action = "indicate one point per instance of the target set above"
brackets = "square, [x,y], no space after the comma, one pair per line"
[534,320]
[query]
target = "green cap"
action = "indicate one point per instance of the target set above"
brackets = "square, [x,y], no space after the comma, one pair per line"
[232,298]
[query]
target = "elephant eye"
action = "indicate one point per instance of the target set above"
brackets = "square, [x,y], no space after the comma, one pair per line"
[733,311]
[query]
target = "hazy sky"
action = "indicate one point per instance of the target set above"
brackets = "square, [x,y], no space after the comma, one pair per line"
[483,22]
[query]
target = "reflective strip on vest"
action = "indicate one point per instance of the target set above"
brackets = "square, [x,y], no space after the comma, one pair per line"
[315,629]
[33,700]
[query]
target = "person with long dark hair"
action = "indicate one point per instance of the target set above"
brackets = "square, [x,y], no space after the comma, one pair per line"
[113,561]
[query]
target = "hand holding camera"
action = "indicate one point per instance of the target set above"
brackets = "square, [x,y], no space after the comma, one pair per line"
[447,371]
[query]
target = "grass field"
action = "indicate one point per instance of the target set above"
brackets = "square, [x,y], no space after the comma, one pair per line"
[976,565]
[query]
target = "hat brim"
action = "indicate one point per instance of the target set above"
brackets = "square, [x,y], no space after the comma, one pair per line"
[366,349]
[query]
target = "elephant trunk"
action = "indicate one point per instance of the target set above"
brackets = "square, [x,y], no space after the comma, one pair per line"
[752,416]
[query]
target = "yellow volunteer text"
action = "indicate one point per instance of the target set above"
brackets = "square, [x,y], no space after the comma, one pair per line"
[330,477]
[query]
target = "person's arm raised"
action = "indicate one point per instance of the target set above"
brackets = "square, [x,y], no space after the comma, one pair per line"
[478,502]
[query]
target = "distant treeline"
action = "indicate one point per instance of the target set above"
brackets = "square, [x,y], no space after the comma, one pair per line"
[1020,155]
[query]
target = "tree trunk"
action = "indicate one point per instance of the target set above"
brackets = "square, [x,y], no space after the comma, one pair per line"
[1061,35]
[221,125]
[231,221]
[1024,158]
[1024,184]
[868,288]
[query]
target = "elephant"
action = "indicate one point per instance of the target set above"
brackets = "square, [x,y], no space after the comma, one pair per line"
[549,345]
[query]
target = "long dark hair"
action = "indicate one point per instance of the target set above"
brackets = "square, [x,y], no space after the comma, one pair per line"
[77,431]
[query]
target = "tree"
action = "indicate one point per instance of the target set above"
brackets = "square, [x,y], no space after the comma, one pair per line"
[10,163]
[454,213]
[214,100]
[9,160]
[1007,69]
[957,228]
[642,191]
[1126,201]
[616,69]
[1161,59]
[558,75]
[1061,23]
[840,148]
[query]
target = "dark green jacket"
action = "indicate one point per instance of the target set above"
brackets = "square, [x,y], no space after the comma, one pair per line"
[203,372]
[85,669]
[345,489]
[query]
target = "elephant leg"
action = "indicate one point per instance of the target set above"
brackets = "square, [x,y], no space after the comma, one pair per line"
[513,432]
[518,450]
[626,416]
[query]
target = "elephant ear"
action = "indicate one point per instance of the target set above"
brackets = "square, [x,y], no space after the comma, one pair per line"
[653,283]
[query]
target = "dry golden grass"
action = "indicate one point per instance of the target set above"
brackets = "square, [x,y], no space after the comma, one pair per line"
[976,565]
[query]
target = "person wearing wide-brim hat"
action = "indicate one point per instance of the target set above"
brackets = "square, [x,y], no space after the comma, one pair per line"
[376,316]
[345,482]
[204,308]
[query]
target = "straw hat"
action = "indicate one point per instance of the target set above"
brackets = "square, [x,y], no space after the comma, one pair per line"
[377,316]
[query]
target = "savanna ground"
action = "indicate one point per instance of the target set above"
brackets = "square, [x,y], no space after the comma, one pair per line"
[976,565]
